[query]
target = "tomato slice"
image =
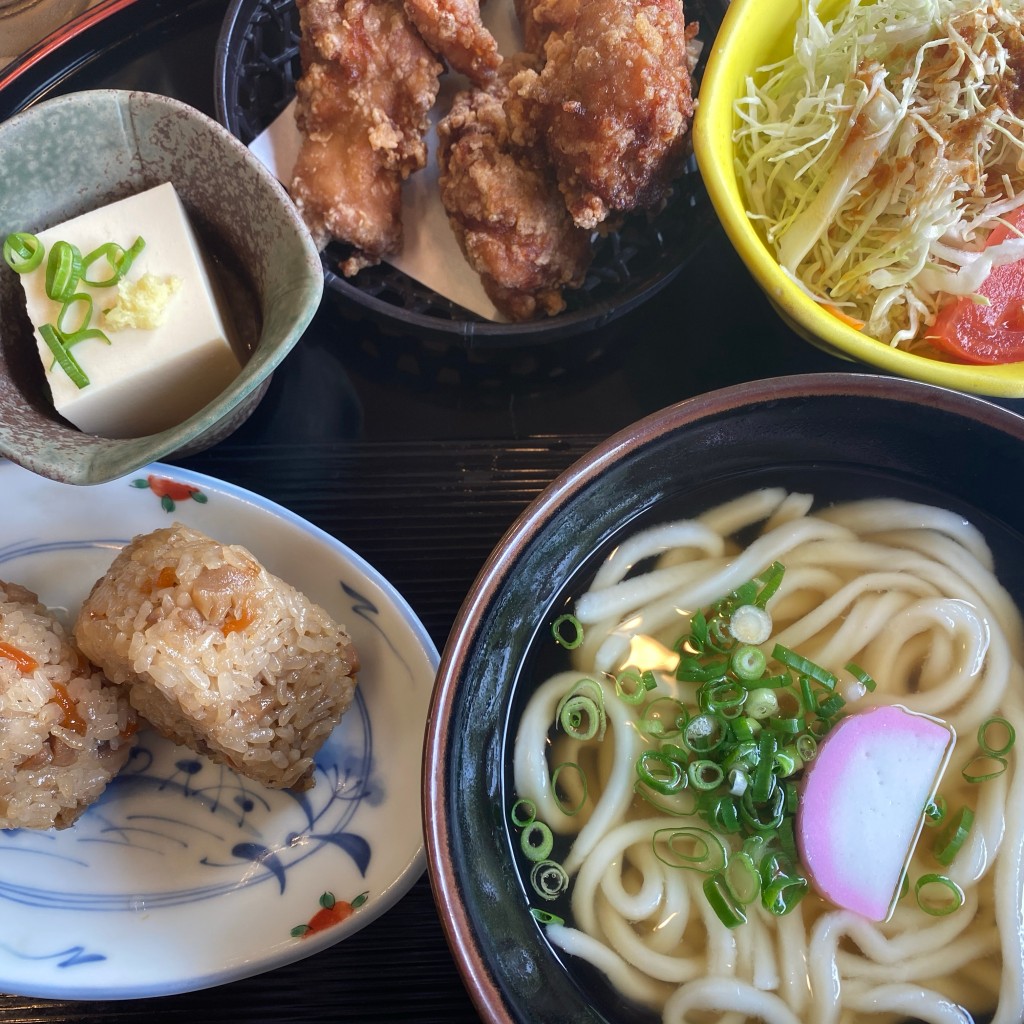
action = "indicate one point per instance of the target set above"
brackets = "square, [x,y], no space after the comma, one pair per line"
[992,333]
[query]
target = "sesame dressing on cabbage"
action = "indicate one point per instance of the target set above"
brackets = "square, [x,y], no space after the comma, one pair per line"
[878,156]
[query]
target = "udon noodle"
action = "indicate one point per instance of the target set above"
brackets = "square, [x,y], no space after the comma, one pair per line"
[909,594]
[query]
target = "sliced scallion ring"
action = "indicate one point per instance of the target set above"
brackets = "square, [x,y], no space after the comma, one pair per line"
[23,252]
[723,902]
[661,771]
[938,895]
[567,631]
[803,666]
[543,917]
[118,259]
[947,845]
[581,779]
[63,271]
[65,360]
[690,847]
[549,879]
[983,768]
[79,299]
[536,841]
[987,741]
[523,813]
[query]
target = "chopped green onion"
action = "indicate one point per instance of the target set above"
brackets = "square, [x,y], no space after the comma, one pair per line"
[750,625]
[567,631]
[549,879]
[745,728]
[764,780]
[786,761]
[664,718]
[65,360]
[705,774]
[861,676]
[63,270]
[698,632]
[723,902]
[543,917]
[721,811]
[726,697]
[523,813]
[536,841]
[762,703]
[934,902]
[983,768]
[696,849]
[743,756]
[782,886]
[935,811]
[738,781]
[574,809]
[682,804]
[661,771]
[23,252]
[742,878]
[581,712]
[693,670]
[766,815]
[705,733]
[808,697]
[787,726]
[986,743]
[748,662]
[782,895]
[118,259]
[743,594]
[771,580]
[804,667]
[79,298]
[719,637]
[806,747]
[831,706]
[84,335]
[632,686]
[947,845]
[792,797]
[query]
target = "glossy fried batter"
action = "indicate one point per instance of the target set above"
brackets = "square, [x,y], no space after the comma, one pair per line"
[539,18]
[505,209]
[454,31]
[367,85]
[612,103]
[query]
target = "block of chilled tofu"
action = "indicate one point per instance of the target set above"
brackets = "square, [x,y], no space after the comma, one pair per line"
[170,350]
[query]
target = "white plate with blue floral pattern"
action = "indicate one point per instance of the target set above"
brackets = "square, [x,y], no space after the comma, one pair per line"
[184,875]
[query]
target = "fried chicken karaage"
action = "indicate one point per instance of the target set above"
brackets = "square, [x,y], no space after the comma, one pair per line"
[612,103]
[504,206]
[454,31]
[367,86]
[539,18]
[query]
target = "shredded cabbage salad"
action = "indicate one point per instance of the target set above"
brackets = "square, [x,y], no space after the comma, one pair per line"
[877,157]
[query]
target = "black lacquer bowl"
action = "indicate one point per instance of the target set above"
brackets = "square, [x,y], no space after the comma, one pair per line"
[257,65]
[842,435]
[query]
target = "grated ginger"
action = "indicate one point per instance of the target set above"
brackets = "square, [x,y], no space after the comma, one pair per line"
[141,304]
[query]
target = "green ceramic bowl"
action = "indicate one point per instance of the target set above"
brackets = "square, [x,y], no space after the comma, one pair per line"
[72,154]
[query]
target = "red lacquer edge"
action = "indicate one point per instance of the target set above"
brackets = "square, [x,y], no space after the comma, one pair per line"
[59,37]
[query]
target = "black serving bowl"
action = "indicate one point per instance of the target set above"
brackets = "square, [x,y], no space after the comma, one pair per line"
[850,435]
[257,66]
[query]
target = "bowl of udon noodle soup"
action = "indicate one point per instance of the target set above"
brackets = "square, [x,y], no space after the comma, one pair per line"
[725,729]
[865,160]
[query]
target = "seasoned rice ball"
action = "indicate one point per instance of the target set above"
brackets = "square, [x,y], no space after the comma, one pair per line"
[220,655]
[64,730]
